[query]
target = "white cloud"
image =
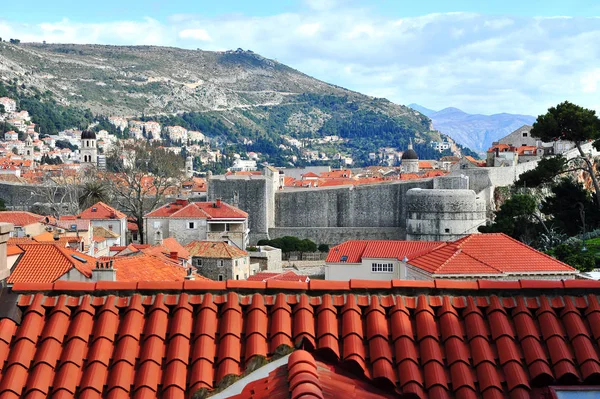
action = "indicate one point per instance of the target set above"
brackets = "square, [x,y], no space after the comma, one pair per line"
[195,34]
[479,63]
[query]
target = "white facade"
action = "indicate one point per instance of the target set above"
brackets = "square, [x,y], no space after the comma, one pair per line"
[368,269]
[243,165]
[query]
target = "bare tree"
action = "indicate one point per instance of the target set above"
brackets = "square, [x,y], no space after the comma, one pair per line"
[140,177]
[60,194]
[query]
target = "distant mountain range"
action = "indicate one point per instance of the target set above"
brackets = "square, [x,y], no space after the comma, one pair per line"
[475,131]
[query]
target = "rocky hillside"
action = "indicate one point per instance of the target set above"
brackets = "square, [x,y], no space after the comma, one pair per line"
[474,130]
[240,88]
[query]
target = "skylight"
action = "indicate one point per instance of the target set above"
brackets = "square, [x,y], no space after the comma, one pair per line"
[79,258]
[344,258]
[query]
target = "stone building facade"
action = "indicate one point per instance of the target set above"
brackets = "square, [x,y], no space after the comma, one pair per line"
[220,261]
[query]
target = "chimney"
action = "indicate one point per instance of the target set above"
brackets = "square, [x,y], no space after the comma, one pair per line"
[218,203]
[189,275]
[174,255]
[104,271]
[5,230]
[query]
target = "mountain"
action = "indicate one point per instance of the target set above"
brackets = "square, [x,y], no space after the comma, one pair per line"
[425,111]
[474,131]
[231,94]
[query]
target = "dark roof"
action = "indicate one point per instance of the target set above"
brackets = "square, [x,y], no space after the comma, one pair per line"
[88,134]
[437,339]
[410,154]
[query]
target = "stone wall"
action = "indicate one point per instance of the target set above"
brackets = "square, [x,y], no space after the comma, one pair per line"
[443,215]
[377,205]
[248,193]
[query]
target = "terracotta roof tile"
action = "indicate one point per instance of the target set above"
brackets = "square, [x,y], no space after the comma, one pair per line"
[20,218]
[285,276]
[101,211]
[214,249]
[353,251]
[145,267]
[413,340]
[201,210]
[45,263]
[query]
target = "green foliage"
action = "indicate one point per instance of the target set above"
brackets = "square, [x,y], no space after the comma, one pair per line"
[574,256]
[323,248]
[545,172]
[46,160]
[65,144]
[291,244]
[2,109]
[104,124]
[15,41]
[2,205]
[567,121]
[514,218]
[565,204]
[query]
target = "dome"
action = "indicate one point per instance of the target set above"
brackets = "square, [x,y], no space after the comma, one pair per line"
[88,134]
[410,154]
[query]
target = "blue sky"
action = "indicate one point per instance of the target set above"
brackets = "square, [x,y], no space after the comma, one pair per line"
[482,56]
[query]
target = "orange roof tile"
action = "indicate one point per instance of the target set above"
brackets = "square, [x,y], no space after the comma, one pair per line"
[145,267]
[46,263]
[425,165]
[355,250]
[472,255]
[285,276]
[214,249]
[12,250]
[101,211]
[20,218]
[198,210]
[422,339]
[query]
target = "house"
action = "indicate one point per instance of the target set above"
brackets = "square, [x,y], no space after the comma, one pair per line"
[283,276]
[355,339]
[467,258]
[220,261]
[102,215]
[24,223]
[11,136]
[50,262]
[197,221]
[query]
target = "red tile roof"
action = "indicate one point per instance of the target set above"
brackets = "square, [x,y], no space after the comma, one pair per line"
[285,276]
[20,218]
[102,211]
[305,375]
[46,263]
[214,249]
[355,250]
[198,210]
[145,267]
[442,339]
[12,250]
[487,254]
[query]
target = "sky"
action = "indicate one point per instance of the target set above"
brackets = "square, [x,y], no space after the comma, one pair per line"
[480,56]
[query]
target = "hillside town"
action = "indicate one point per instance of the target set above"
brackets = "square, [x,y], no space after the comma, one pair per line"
[183,218]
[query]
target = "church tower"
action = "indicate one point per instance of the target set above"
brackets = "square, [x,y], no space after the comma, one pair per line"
[410,160]
[88,154]
[28,153]
[189,167]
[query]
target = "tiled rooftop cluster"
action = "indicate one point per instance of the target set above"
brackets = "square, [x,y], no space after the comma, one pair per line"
[437,339]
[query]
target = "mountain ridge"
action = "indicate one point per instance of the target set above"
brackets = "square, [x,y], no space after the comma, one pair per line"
[475,131]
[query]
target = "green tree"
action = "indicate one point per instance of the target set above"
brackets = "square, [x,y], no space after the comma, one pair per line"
[568,203]
[2,205]
[323,248]
[93,191]
[544,173]
[571,122]
[574,256]
[516,218]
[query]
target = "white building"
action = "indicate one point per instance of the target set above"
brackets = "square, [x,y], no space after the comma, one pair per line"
[243,165]
[10,105]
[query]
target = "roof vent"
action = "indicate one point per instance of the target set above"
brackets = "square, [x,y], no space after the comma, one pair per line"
[94,209]
[344,258]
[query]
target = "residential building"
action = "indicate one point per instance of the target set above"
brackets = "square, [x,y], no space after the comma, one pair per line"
[357,339]
[197,221]
[102,215]
[220,261]
[243,165]
[24,223]
[468,258]
[9,104]
[11,136]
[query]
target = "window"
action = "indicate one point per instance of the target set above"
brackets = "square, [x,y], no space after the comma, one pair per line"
[524,134]
[226,226]
[220,263]
[447,230]
[198,262]
[157,225]
[382,267]
[237,276]
[191,225]
[110,227]
[220,278]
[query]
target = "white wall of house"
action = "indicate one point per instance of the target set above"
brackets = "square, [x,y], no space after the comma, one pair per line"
[392,270]
[74,275]
[118,226]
